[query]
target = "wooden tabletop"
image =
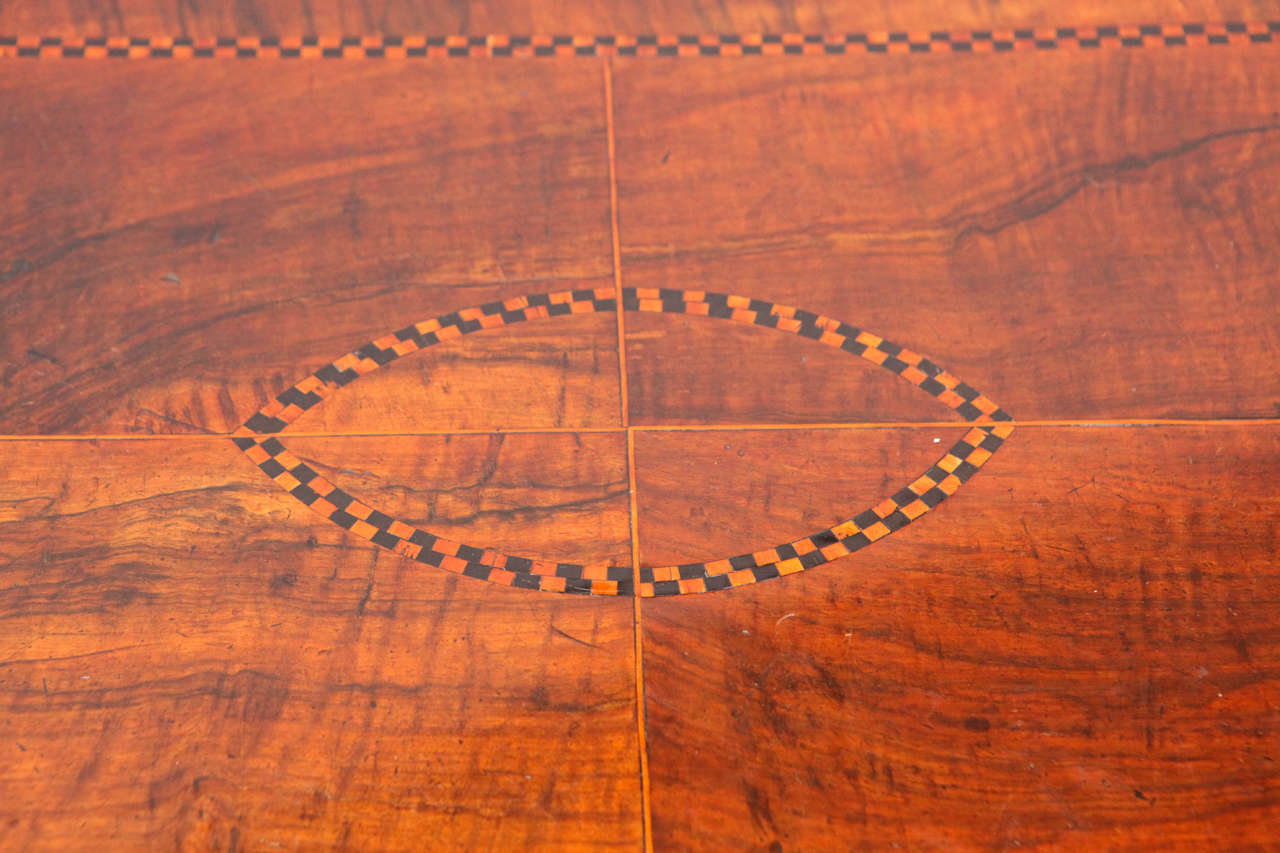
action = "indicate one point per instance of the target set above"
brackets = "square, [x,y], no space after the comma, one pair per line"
[778,426]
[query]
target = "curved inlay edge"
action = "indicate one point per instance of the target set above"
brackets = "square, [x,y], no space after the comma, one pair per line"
[259,439]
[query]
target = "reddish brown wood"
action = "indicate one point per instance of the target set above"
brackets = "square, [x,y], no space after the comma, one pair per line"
[166,269]
[1080,236]
[1078,650]
[695,370]
[557,497]
[192,660]
[560,372]
[270,17]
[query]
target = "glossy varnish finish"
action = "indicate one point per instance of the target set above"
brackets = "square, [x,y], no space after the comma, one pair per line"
[1078,651]
[399,17]
[1075,651]
[144,237]
[191,661]
[1086,231]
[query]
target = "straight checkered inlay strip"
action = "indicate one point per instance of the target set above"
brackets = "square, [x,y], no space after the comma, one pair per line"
[723,44]
[258,439]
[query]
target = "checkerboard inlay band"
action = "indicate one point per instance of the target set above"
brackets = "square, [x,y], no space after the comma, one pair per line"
[259,439]
[374,47]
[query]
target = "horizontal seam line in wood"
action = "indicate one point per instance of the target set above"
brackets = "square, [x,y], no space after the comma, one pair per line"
[753,427]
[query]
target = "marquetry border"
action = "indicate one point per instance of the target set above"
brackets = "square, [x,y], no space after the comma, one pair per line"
[257,438]
[304,482]
[671,45]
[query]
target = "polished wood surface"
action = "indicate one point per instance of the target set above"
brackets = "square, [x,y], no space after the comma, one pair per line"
[1075,650]
[191,662]
[144,238]
[329,17]
[1085,231]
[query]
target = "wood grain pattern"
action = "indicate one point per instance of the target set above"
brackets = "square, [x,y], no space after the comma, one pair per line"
[191,660]
[558,372]
[1077,652]
[1079,236]
[271,17]
[700,370]
[166,269]
[557,497]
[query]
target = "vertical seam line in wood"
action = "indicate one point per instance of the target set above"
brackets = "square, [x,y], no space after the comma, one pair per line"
[641,720]
[642,741]
[623,404]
